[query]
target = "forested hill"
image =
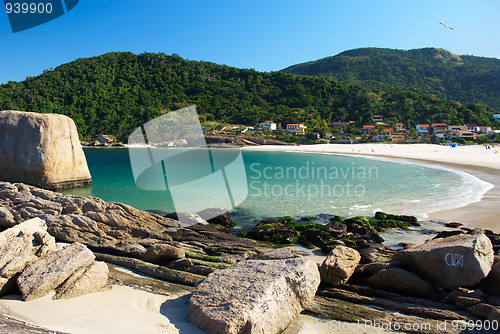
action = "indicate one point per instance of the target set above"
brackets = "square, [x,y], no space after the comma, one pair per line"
[117,92]
[467,79]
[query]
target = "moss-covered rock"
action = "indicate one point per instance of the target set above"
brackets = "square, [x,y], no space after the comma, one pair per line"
[274,232]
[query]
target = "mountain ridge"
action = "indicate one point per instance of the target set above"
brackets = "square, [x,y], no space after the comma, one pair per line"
[467,79]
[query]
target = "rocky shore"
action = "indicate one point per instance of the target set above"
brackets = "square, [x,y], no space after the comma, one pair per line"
[251,279]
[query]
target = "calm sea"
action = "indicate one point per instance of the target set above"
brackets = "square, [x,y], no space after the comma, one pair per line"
[273,184]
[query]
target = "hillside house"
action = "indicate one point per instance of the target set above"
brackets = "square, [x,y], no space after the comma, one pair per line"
[400,127]
[267,125]
[398,137]
[329,135]
[378,118]
[367,129]
[423,128]
[339,125]
[457,128]
[484,129]
[471,127]
[439,127]
[382,125]
[299,129]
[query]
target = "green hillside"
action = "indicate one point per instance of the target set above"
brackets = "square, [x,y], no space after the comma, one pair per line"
[117,92]
[467,79]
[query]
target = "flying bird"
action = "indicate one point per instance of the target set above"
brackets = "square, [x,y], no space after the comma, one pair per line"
[447,26]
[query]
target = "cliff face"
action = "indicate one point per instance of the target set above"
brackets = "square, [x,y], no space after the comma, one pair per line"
[42,150]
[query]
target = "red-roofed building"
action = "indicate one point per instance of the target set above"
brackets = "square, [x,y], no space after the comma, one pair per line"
[484,129]
[367,129]
[423,128]
[471,127]
[438,127]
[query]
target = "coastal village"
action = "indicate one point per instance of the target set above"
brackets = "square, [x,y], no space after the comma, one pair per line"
[349,132]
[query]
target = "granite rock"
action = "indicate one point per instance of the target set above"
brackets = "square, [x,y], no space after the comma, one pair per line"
[254,296]
[41,150]
[46,274]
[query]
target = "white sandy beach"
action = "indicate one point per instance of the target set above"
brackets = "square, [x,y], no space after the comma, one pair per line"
[476,155]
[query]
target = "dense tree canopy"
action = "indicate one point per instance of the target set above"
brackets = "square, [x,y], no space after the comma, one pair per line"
[117,92]
[467,79]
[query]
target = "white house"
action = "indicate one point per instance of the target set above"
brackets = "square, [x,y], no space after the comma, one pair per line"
[423,128]
[329,136]
[484,129]
[296,128]
[267,125]
[496,117]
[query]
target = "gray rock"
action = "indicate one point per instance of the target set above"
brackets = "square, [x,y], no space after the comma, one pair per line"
[218,216]
[339,265]
[186,218]
[6,218]
[396,279]
[163,252]
[483,310]
[232,258]
[41,150]
[7,189]
[46,274]
[84,281]
[254,296]
[491,284]
[457,261]
[275,254]
[21,245]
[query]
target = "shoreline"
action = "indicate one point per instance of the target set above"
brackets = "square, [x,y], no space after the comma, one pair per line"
[474,160]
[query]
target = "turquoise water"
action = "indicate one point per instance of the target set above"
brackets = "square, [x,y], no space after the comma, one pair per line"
[273,184]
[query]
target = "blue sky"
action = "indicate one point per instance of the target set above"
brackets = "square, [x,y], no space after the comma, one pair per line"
[267,35]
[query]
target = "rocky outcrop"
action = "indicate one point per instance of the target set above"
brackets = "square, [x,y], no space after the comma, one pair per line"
[20,246]
[457,261]
[119,229]
[41,150]
[339,265]
[46,274]
[254,296]
[113,227]
[397,279]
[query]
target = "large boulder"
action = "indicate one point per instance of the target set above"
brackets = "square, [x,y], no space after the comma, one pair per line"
[339,265]
[163,252]
[86,280]
[46,274]
[254,296]
[457,261]
[396,279]
[41,150]
[22,245]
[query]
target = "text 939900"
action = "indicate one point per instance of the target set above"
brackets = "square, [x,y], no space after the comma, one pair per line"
[31,8]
